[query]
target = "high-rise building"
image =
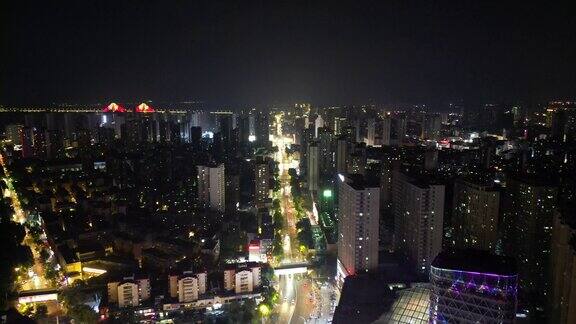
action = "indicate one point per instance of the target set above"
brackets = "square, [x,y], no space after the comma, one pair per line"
[342,155]
[13,133]
[563,265]
[212,187]
[26,138]
[431,159]
[40,147]
[357,160]
[225,121]
[131,133]
[244,129]
[104,135]
[476,214]
[387,131]
[313,169]
[261,182]
[232,190]
[318,123]
[262,128]
[418,207]
[371,132]
[195,136]
[55,143]
[358,222]
[401,126]
[339,125]
[529,205]
[473,287]
[431,128]
[326,161]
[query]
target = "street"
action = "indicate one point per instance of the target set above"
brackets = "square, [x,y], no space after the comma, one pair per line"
[33,278]
[302,299]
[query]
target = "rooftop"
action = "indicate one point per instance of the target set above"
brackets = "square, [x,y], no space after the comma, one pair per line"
[475,261]
[358,181]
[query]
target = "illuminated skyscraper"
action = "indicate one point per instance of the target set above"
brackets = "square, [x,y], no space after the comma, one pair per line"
[371,132]
[313,169]
[26,137]
[387,131]
[401,130]
[342,155]
[418,207]
[261,182]
[358,222]
[476,214]
[13,133]
[262,128]
[563,265]
[326,154]
[212,187]
[473,287]
[40,143]
[529,206]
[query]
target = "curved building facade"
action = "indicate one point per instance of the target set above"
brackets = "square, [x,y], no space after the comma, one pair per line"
[473,287]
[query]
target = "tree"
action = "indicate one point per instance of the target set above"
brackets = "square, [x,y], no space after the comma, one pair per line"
[305,233]
[12,253]
[83,314]
[241,312]
[41,312]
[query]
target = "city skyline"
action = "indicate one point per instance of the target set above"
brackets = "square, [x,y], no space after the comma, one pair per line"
[300,162]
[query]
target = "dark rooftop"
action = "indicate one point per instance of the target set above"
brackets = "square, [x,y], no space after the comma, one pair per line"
[476,261]
[360,182]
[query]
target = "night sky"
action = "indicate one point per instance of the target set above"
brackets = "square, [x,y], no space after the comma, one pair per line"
[266,52]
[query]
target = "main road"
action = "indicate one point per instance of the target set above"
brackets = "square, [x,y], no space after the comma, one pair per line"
[302,300]
[35,277]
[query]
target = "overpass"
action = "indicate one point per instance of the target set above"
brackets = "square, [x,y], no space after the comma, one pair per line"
[291,268]
[37,295]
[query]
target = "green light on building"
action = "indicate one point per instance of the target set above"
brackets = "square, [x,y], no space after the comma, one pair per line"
[327,193]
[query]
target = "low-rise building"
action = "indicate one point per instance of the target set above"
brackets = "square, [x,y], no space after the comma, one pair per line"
[187,286]
[130,291]
[242,278]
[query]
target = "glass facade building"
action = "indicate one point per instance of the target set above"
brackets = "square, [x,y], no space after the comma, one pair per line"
[473,288]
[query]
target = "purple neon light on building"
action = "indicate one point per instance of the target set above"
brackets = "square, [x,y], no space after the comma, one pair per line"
[473,287]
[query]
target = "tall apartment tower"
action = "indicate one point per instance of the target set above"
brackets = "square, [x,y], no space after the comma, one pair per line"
[212,187]
[313,168]
[358,225]
[476,214]
[262,128]
[563,265]
[418,208]
[470,286]
[401,130]
[371,132]
[26,138]
[326,151]
[342,155]
[529,206]
[13,133]
[261,182]
[387,131]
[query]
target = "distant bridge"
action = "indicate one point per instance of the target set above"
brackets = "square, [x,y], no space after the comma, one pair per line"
[81,109]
